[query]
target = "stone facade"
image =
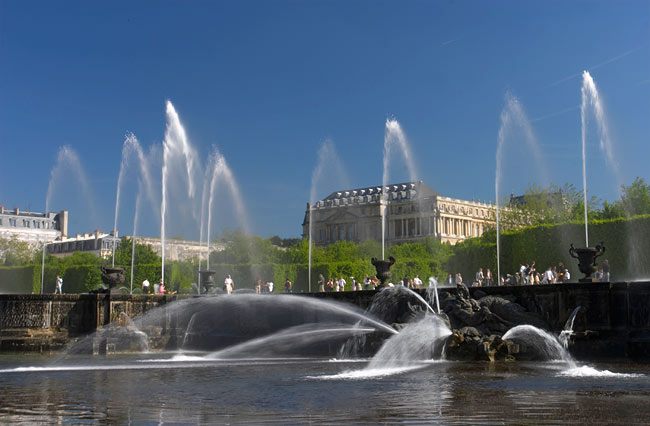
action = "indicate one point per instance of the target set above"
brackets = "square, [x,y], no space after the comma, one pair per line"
[33,228]
[414,212]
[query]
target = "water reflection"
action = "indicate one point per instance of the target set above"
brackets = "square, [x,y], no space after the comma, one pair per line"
[154,389]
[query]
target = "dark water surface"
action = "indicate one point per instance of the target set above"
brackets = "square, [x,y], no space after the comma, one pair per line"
[170,389]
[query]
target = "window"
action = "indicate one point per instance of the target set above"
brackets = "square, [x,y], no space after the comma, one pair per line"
[12,222]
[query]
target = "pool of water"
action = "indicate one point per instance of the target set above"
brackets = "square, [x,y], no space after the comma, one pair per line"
[172,388]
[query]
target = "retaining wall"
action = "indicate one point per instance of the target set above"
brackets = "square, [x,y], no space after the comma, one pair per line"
[613,323]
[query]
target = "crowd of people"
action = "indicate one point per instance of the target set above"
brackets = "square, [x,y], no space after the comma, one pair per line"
[528,274]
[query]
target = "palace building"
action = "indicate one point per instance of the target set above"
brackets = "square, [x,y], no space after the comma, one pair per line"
[414,211]
[32,228]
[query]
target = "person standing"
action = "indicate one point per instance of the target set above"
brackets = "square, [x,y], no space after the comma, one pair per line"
[548,276]
[321,283]
[450,280]
[417,282]
[269,285]
[366,283]
[342,284]
[59,285]
[605,271]
[488,277]
[353,284]
[228,284]
[287,286]
[480,277]
[157,286]
[145,286]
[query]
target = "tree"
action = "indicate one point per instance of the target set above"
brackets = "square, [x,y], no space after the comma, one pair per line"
[549,205]
[635,199]
[14,252]
[144,254]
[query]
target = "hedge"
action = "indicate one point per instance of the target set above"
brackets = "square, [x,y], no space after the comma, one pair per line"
[626,241]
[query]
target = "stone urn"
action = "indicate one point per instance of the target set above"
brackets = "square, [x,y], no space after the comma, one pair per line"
[383,269]
[112,276]
[587,260]
[207,282]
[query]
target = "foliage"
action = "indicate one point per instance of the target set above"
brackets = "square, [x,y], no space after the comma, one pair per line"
[548,244]
[14,252]
[284,242]
[635,199]
[550,205]
[144,254]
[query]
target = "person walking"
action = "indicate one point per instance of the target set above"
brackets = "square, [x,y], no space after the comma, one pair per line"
[342,284]
[228,284]
[287,286]
[59,285]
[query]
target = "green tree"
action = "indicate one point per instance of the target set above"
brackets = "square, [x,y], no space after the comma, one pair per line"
[635,199]
[14,252]
[550,205]
[144,255]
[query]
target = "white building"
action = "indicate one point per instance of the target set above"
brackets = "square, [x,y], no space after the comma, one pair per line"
[33,228]
[413,210]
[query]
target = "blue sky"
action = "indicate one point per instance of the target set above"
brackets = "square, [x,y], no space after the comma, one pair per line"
[268,81]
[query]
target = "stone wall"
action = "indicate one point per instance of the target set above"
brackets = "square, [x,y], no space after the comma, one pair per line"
[614,320]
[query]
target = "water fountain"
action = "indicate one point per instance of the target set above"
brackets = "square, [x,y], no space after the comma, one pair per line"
[513,118]
[538,344]
[394,139]
[175,145]
[566,333]
[327,159]
[433,286]
[132,151]
[591,100]
[67,161]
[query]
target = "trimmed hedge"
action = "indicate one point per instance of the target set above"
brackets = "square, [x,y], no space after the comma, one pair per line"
[626,241]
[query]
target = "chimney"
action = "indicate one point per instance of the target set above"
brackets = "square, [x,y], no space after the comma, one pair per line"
[17,211]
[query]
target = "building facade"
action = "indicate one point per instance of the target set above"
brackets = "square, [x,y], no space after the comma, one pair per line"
[98,243]
[413,211]
[33,228]
[101,244]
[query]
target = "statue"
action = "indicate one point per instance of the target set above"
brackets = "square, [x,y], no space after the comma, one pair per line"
[587,260]
[383,269]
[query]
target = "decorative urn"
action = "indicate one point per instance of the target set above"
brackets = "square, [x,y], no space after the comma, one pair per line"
[112,276]
[207,282]
[587,260]
[383,269]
